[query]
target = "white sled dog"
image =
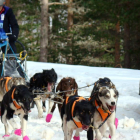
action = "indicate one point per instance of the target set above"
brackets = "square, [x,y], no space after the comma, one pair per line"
[104,98]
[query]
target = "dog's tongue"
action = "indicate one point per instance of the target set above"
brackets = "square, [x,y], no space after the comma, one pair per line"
[112,107]
[49,87]
[84,127]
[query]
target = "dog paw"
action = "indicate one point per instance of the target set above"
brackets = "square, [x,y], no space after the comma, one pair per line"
[40,114]
[5,136]
[26,138]
[18,132]
[76,138]
[48,117]
[44,109]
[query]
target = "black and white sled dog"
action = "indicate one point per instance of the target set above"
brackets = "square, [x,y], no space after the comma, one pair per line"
[44,80]
[76,114]
[16,101]
[104,98]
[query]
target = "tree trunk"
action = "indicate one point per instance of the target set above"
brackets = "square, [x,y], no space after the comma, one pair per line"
[8,3]
[70,15]
[136,49]
[117,44]
[70,24]
[127,57]
[44,31]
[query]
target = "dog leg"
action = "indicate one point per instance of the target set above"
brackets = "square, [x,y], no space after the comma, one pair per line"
[64,127]
[13,123]
[97,131]
[103,129]
[40,110]
[77,135]
[69,133]
[44,106]
[112,129]
[24,126]
[49,115]
[4,121]
[50,106]
[112,126]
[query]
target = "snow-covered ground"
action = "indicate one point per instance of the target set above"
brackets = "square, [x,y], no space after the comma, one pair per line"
[128,107]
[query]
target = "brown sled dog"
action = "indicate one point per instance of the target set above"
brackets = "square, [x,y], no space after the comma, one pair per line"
[66,84]
[7,82]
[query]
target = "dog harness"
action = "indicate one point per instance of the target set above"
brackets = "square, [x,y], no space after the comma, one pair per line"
[104,114]
[78,124]
[14,101]
[6,83]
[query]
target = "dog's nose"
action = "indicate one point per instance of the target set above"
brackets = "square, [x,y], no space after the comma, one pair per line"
[112,103]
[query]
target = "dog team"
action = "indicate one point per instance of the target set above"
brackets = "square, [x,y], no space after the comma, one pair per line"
[93,114]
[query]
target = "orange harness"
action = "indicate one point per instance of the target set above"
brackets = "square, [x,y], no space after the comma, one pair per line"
[104,114]
[14,101]
[78,124]
[6,83]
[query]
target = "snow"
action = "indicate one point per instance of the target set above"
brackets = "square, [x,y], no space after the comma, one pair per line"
[128,107]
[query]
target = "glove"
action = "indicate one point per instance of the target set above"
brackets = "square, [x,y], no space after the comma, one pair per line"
[12,38]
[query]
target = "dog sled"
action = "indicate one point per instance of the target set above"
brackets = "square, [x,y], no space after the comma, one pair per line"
[14,64]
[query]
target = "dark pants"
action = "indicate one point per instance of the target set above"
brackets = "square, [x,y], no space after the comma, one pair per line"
[12,44]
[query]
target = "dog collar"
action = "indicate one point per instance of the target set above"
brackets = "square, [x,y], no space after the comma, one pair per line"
[14,101]
[104,114]
[78,124]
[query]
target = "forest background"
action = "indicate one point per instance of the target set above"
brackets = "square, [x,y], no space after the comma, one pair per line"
[104,33]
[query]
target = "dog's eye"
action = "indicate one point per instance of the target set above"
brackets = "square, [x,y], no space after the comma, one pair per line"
[106,96]
[115,96]
[90,112]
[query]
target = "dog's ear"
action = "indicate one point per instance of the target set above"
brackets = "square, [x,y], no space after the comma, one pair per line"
[45,71]
[59,87]
[75,86]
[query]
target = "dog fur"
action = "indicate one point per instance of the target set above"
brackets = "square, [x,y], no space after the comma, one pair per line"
[65,84]
[83,112]
[23,97]
[13,81]
[106,95]
[46,79]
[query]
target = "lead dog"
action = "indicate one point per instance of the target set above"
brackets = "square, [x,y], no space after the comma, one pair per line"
[104,98]
[45,80]
[76,114]
[16,101]
[65,87]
